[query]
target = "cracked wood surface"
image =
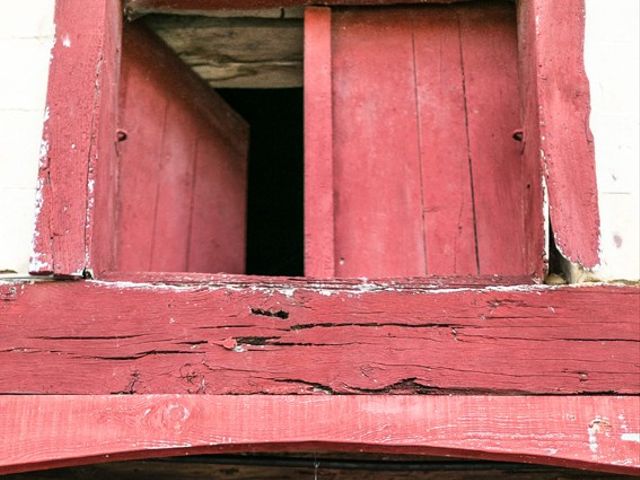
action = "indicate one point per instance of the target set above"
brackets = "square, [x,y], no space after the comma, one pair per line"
[594,432]
[73,186]
[306,337]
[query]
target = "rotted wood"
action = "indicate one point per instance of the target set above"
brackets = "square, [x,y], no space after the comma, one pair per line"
[237,52]
[239,336]
[595,432]
[316,465]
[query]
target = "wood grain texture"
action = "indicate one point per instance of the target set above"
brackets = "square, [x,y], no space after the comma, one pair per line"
[537,225]
[427,176]
[219,467]
[489,56]
[559,125]
[310,337]
[182,167]
[597,433]
[138,7]
[445,171]
[78,140]
[236,52]
[377,184]
[319,228]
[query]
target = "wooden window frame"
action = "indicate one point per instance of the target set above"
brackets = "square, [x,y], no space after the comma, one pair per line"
[138,366]
[75,219]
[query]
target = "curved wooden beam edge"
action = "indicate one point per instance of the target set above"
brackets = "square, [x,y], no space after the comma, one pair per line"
[589,432]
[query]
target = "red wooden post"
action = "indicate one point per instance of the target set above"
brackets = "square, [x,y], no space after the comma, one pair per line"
[556,93]
[318,131]
[75,183]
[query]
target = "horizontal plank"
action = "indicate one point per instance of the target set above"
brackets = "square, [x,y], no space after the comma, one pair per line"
[236,52]
[273,12]
[593,432]
[306,337]
[432,282]
[203,7]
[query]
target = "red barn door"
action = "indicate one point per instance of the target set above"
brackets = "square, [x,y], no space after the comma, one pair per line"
[425,177]
[182,167]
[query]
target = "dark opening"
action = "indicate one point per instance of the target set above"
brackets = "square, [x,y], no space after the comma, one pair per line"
[275,204]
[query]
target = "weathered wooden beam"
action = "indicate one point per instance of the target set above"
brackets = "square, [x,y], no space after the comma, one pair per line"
[594,432]
[237,52]
[280,337]
[203,7]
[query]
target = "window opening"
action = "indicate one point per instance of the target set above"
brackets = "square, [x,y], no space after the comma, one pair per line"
[210,169]
[275,203]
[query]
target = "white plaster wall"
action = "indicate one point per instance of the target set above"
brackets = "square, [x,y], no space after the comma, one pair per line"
[612,61]
[26,38]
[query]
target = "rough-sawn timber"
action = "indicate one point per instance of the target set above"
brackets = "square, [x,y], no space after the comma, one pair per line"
[303,337]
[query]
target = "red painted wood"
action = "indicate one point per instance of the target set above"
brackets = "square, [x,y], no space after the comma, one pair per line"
[78,136]
[427,176]
[564,143]
[488,36]
[448,206]
[278,337]
[318,176]
[377,185]
[103,166]
[417,283]
[531,162]
[182,175]
[592,432]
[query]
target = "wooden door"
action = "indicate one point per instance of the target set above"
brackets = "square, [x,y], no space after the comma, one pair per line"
[425,177]
[182,184]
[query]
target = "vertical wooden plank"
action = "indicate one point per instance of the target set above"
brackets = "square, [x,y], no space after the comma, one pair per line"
[172,206]
[318,138]
[140,153]
[78,134]
[566,143]
[178,129]
[219,197]
[448,205]
[488,39]
[378,219]
[103,161]
[533,208]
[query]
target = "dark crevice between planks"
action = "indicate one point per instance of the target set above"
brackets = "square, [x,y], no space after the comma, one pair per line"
[270,313]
